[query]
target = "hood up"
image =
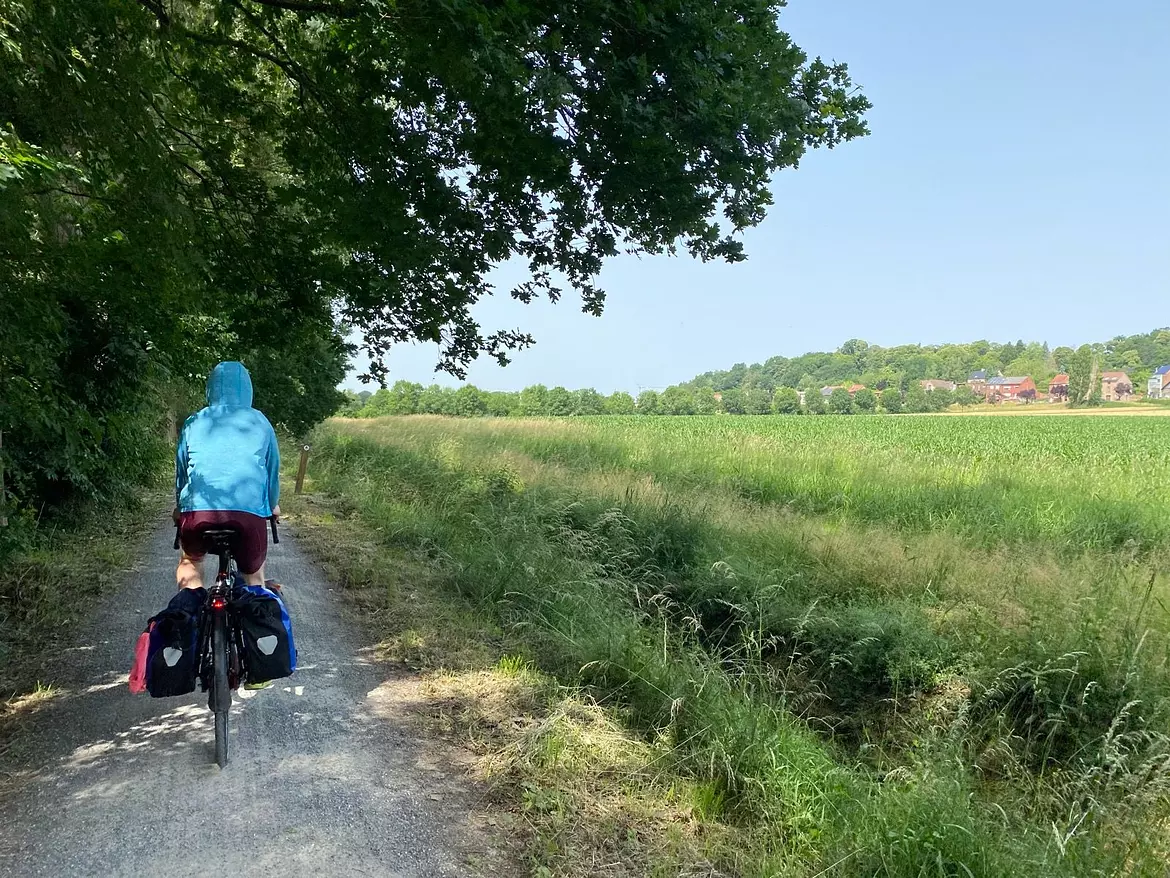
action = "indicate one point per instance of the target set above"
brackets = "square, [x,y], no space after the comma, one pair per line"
[229,384]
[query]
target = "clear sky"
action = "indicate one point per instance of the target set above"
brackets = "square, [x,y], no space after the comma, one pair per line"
[1015,184]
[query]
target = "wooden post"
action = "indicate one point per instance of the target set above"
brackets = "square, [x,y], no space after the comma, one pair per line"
[3,497]
[301,469]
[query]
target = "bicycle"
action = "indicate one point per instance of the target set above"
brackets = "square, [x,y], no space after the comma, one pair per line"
[219,633]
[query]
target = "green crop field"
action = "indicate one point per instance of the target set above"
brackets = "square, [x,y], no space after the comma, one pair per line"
[1084,482]
[895,646]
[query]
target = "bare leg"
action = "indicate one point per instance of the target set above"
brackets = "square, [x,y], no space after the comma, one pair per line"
[190,572]
[256,578]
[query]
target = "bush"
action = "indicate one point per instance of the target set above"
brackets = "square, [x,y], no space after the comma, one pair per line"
[786,401]
[892,400]
[840,402]
[865,401]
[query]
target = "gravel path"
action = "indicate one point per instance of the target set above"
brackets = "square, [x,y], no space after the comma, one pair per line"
[326,776]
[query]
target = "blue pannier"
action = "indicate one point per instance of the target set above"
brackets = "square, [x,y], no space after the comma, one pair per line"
[266,630]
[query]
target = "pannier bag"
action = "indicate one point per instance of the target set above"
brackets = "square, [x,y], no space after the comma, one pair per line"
[170,643]
[138,671]
[266,630]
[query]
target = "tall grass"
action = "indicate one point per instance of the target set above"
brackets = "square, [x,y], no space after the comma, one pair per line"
[860,693]
[53,569]
[1079,483]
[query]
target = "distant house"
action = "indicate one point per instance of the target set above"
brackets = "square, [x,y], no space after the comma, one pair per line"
[1158,387]
[1058,388]
[1116,386]
[827,390]
[1011,388]
[930,385]
[978,382]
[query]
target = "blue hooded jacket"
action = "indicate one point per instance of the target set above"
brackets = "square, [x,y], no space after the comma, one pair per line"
[227,457]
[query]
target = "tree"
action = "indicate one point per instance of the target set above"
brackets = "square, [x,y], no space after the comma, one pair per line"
[648,402]
[840,402]
[705,401]
[814,403]
[731,401]
[401,399]
[865,401]
[188,181]
[939,400]
[588,402]
[351,406]
[858,350]
[1028,395]
[468,402]
[966,397]
[1081,367]
[1009,352]
[786,401]
[559,402]
[378,405]
[619,403]
[1062,358]
[676,401]
[756,401]
[436,400]
[917,400]
[892,400]
[501,404]
[534,401]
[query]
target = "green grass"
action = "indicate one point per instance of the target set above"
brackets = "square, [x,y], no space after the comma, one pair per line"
[1075,482]
[53,570]
[917,646]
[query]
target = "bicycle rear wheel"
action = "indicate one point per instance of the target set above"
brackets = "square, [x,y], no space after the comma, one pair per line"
[221,694]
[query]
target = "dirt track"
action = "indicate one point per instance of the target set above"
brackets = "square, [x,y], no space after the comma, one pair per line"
[326,778]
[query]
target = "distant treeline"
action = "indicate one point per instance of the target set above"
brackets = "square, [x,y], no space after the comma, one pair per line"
[891,377]
[408,398]
[875,366]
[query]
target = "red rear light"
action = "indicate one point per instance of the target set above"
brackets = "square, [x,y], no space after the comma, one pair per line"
[218,603]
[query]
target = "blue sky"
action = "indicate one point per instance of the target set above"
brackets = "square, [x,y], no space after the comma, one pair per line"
[1015,184]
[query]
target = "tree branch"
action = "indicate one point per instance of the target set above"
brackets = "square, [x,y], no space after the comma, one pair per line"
[288,67]
[323,8]
[73,193]
[156,9]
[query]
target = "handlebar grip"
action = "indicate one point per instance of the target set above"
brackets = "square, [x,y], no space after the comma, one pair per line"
[272,524]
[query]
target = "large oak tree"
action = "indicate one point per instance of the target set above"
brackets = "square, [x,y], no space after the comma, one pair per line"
[187,180]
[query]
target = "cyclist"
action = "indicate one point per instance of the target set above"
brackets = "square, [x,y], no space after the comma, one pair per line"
[227,475]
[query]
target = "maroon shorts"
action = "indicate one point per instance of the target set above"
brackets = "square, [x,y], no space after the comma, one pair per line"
[250,547]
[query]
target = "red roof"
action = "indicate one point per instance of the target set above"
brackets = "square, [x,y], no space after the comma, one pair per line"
[856,387]
[1058,379]
[1114,376]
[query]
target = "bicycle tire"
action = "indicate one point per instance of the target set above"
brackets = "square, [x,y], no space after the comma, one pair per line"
[221,694]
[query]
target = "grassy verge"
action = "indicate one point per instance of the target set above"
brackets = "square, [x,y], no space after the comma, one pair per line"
[579,791]
[52,572]
[813,699]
